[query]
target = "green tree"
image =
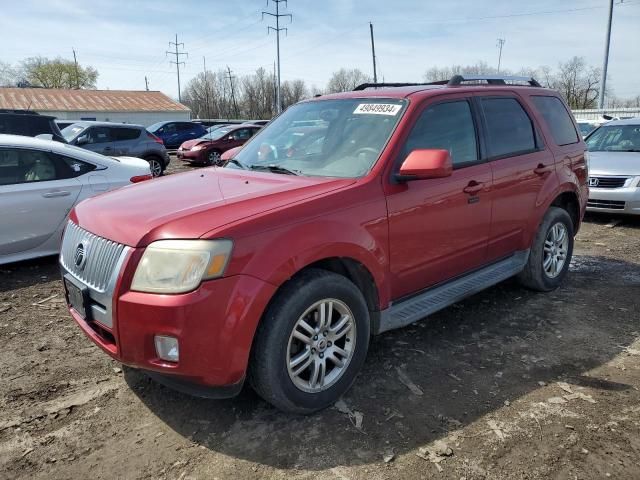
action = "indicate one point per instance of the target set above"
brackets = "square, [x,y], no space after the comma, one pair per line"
[58,73]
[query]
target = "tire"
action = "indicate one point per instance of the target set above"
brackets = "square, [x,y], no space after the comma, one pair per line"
[156,166]
[538,273]
[288,386]
[213,158]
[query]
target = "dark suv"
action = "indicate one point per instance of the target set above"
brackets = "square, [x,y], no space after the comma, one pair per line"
[119,140]
[173,134]
[29,124]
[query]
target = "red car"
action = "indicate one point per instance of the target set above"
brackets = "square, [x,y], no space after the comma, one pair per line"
[280,266]
[207,149]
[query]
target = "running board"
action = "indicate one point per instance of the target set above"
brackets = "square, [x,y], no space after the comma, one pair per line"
[413,309]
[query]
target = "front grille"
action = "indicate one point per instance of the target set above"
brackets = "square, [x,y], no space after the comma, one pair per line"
[102,255]
[611,204]
[607,182]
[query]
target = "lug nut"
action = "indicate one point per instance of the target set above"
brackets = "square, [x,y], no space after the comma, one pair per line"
[313,350]
[325,333]
[315,337]
[328,344]
[322,355]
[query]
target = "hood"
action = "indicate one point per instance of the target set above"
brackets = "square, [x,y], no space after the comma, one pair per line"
[188,205]
[189,144]
[614,163]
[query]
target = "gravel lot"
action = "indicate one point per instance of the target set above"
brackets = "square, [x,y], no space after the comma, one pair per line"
[508,384]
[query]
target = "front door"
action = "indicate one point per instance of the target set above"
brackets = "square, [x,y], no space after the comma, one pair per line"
[439,228]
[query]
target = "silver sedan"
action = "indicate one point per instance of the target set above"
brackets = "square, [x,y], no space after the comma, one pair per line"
[41,181]
[614,167]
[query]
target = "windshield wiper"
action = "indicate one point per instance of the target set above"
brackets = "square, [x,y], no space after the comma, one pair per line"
[274,169]
[236,162]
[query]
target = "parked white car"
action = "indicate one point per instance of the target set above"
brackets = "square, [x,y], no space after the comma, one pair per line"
[614,167]
[41,181]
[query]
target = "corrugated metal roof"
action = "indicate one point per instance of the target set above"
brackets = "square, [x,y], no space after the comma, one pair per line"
[57,100]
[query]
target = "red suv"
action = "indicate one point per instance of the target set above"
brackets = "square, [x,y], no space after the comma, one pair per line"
[208,148]
[279,267]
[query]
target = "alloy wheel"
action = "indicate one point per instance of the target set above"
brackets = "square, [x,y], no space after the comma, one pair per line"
[556,246]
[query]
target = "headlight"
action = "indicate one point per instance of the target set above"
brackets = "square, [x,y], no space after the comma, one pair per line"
[197,147]
[637,184]
[178,266]
[587,158]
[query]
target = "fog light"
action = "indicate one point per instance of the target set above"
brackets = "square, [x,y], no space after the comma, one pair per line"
[167,348]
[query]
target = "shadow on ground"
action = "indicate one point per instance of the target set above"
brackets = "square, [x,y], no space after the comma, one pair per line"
[468,360]
[28,273]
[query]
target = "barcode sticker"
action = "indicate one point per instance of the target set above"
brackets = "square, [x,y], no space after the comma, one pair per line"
[377,109]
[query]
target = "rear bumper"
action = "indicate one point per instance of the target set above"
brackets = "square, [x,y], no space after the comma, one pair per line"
[214,325]
[614,200]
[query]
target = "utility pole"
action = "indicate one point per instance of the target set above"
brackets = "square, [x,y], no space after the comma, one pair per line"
[605,63]
[177,62]
[206,87]
[233,97]
[277,29]
[75,61]
[373,54]
[501,42]
[146,83]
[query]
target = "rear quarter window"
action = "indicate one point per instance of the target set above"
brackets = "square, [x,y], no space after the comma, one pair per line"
[557,118]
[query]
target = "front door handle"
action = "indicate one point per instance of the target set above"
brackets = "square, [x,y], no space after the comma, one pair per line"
[56,193]
[541,169]
[473,187]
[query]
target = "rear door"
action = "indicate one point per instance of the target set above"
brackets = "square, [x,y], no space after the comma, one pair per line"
[98,140]
[439,228]
[520,165]
[124,140]
[37,194]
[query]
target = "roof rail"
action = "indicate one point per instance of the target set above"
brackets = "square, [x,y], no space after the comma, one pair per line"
[491,79]
[364,86]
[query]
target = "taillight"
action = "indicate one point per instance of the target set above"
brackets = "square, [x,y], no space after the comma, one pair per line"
[140,178]
[155,138]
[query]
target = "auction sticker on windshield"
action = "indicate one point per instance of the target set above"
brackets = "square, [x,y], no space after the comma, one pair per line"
[378,109]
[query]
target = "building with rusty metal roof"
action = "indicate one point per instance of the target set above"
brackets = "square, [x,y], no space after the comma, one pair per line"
[126,106]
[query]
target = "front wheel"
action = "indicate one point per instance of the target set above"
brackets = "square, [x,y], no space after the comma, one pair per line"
[311,343]
[550,253]
[213,157]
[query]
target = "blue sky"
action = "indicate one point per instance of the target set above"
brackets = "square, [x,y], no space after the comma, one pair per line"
[126,40]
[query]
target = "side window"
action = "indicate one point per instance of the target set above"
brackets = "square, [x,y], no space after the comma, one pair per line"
[243,134]
[168,128]
[98,135]
[557,118]
[26,166]
[121,134]
[186,127]
[448,126]
[72,167]
[509,128]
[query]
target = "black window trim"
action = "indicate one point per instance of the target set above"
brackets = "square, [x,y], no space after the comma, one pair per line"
[439,101]
[538,139]
[576,130]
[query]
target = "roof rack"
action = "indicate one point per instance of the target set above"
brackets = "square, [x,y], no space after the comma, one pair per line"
[457,80]
[491,79]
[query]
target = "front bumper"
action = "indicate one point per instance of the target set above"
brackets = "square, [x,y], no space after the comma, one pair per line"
[614,200]
[197,156]
[214,325]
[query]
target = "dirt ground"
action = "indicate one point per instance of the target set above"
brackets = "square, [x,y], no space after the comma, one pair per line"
[508,384]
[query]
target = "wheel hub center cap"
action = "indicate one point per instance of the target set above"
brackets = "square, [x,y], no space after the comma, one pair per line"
[321,345]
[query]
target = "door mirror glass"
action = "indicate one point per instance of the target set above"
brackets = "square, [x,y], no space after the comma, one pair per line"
[426,163]
[82,140]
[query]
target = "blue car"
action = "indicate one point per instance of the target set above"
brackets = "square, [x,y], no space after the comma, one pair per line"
[173,134]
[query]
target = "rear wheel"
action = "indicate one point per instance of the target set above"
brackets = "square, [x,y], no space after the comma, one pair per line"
[551,252]
[311,343]
[155,165]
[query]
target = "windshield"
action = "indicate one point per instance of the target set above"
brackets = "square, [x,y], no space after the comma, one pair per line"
[586,128]
[615,138]
[155,126]
[328,138]
[216,134]
[72,131]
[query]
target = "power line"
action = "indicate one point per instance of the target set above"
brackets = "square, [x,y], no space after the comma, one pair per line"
[177,53]
[277,29]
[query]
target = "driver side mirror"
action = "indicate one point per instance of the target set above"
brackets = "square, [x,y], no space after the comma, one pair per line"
[425,163]
[82,140]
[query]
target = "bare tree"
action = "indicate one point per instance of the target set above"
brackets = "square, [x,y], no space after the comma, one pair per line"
[345,80]
[578,82]
[292,91]
[9,75]
[435,74]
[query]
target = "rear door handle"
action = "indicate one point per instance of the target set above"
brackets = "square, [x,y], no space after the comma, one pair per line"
[473,187]
[541,169]
[56,193]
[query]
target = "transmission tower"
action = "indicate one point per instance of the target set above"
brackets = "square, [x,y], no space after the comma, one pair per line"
[177,62]
[277,29]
